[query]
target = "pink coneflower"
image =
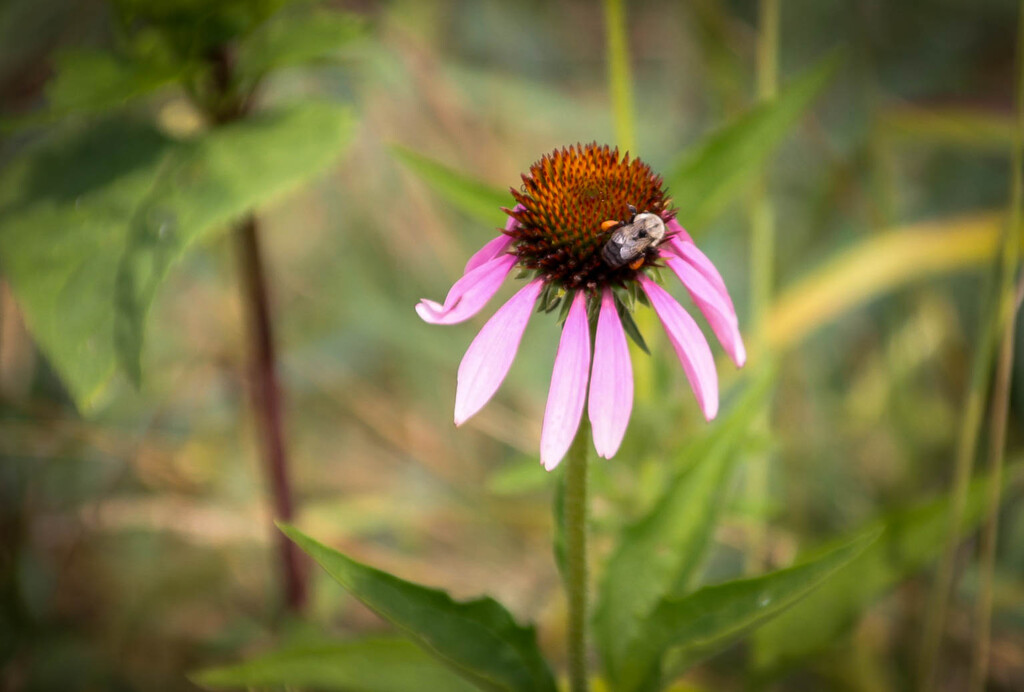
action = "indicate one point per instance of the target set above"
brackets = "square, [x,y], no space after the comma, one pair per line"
[572,205]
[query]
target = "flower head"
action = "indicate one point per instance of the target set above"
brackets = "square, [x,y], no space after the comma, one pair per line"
[587,227]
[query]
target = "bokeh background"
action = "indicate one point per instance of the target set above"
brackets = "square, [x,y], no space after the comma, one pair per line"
[135,543]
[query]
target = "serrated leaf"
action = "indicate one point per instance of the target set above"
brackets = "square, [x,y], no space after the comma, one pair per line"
[296,38]
[478,200]
[708,620]
[64,210]
[477,639]
[206,183]
[722,166]
[910,539]
[661,553]
[369,665]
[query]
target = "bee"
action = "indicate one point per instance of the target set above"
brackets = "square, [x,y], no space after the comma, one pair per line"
[631,239]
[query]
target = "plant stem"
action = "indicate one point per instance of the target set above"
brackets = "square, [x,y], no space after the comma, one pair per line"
[620,77]
[1010,298]
[266,399]
[576,555]
[762,273]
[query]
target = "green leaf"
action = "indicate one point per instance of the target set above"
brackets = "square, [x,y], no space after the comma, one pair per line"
[478,639]
[370,665]
[712,618]
[210,181]
[723,165]
[911,538]
[90,80]
[288,39]
[661,553]
[64,210]
[478,200]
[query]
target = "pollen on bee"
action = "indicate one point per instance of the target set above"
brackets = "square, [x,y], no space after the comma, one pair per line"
[637,263]
[609,224]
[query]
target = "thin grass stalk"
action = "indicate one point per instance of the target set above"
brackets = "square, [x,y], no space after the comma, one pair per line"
[762,276]
[620,76]
[997,321]
[1010,298]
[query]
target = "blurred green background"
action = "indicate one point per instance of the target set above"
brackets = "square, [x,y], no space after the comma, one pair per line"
[135,543]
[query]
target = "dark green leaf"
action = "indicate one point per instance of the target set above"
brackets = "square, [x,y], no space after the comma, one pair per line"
[910,540]
[631,328]
[478,200]
[661,553]
[710,619]
[478,639]
[291,38]
[371,665]
[723,165]
[207,183]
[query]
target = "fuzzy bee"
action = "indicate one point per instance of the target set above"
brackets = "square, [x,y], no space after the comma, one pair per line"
[631,239]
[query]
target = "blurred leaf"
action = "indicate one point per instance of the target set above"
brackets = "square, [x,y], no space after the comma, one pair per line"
[208,182]
[708,620]
[723,165]
[518,478]
[661,553]
[910,538]
[971,128]
[478,639]
[88,80]
[64,210]
[876,265]
[289,39]
[371,665]
[478,200]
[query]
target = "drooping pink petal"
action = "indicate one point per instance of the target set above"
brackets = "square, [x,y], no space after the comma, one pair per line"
[719,313]
[489,357]
[611,381]
[677,232]
[692,254]
[468,294]
[568,389]
[495,246]
[690,345]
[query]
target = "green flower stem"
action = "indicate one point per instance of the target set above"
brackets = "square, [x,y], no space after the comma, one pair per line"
[999,322]
[576,555]
[1010,298]
[620,77]
[762,273]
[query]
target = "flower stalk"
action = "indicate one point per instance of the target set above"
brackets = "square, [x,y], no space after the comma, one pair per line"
[576,557]
[620,77]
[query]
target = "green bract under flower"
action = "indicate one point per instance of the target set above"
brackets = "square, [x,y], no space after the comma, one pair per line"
[563,206]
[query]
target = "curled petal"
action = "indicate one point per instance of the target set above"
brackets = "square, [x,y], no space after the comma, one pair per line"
[489,357]
[568,389]
[690,345]
[495,246]
[611,381]
[719,312]
[691,253]
[468,294]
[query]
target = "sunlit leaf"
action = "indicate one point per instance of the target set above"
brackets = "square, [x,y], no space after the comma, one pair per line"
[876,265]
[661,553]
[911,538]
[208,182]
[297,38]
[699,624]
[722,166]
[477,199]
[370,665]
[478,639]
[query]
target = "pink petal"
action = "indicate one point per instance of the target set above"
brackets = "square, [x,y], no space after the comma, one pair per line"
[719,313]
[568,389]
[690,345]
[692,254]
[494,247]
[611,381]
[469,294]
[677,231]
[489,357]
